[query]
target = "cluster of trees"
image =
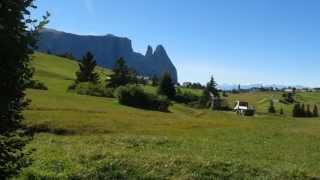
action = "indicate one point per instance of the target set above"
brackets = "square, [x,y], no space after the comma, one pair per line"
[192,85]
[124,81]
[124,76]
[18,38]
[273,110]
[67,55]
[300,110]
[288,98]
[87,82]
[211,97]
[132,95]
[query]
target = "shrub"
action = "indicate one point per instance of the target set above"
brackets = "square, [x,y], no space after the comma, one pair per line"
[92,89]
[222,105]
[134,96]
[250,112]
[281,111]
[185,97]
[72,86]
[34,84]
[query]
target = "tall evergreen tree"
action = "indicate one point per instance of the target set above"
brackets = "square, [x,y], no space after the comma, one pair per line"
[167,86]
[18,37]
[296,110]
[86,69]
[302,111]
[211,88]
[122,74]
[271,108]
[308,112]
[315,111]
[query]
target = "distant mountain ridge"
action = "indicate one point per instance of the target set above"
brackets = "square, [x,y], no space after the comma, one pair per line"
[249,86]
[107,49]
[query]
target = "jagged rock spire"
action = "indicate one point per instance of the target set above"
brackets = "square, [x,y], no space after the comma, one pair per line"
[149,52]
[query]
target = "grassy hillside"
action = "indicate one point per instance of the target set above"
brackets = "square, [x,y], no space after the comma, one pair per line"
[85,137]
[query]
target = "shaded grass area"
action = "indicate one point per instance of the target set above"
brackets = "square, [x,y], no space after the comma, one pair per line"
[138,157]
[84,137]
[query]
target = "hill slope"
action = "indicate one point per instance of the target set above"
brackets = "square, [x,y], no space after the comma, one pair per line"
[83,137]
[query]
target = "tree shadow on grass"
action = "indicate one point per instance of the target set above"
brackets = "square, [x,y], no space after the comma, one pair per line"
[44,128]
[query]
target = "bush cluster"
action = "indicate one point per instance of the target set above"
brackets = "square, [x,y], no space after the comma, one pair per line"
[132,95]
[92,89]
[305,111]
[185,97]
[34,84]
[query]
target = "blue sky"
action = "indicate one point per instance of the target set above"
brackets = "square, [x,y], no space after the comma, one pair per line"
[236,41]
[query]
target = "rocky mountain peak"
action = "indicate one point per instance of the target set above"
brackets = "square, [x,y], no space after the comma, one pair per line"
[107,49]
[160,51]
[149,52]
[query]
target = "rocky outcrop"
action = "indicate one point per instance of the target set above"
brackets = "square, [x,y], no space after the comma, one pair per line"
[107,49]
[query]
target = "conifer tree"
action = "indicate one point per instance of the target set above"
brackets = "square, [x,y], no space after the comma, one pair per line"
[302,111]
[272,109]
[86,69]
[308,112]
[18,37]
[315,111]
[296,110]
[122,74]
[167,86]
[211,88]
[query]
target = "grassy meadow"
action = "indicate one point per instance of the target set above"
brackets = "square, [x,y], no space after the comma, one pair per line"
[84,137]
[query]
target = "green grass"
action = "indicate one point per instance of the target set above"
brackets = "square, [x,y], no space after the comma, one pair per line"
[94,138]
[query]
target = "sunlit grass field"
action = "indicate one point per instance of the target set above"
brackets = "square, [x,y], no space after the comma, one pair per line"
[83,137]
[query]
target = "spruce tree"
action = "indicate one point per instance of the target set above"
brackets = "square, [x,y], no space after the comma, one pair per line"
[302,111]
[122,75]
[308,112]
[86,69]
[18,38]
[211,88]
[271,108]
[315,111]
[167,86]
[296,110]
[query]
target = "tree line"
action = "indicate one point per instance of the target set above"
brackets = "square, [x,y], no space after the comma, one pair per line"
[122,75]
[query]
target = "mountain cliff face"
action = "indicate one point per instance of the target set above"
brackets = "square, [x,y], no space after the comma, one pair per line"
[107,49]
